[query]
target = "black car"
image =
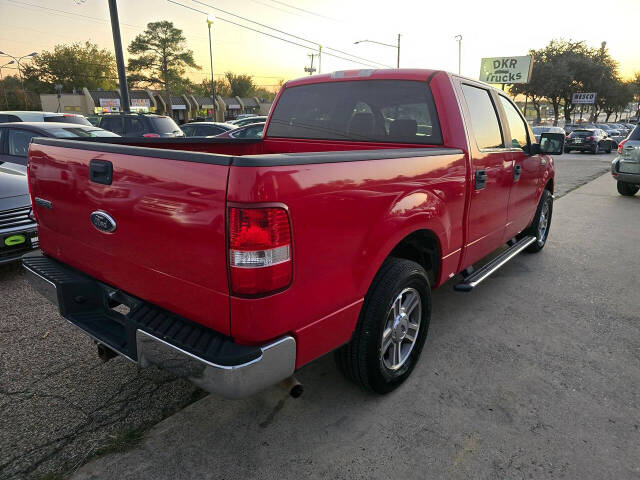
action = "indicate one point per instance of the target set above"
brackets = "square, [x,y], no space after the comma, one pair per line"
[18,232]
[140,125]
[206,129]
[592,140]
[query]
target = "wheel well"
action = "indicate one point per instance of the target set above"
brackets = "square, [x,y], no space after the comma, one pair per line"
[549,185]
[423,248]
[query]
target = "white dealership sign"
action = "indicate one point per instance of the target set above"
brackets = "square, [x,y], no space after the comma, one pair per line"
[583,98]
[506,69]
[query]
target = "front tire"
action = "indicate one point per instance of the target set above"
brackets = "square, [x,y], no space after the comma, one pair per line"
[627,189]
[595,149]
[391,330]
[541,224]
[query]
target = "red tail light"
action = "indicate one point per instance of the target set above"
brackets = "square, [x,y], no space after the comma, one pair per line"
[621,145]
[590,138]
[259,250]
[151,135]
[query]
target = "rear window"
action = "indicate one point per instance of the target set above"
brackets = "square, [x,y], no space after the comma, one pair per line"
[77,119]
[164,125]
[369,110]
[581,133]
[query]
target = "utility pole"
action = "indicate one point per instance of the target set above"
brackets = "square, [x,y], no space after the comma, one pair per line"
[319,58]
[117,46]
[311,69]
[211,18]
[398,62]
[396,46]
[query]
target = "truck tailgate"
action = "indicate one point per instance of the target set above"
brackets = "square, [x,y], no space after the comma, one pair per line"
[168,246]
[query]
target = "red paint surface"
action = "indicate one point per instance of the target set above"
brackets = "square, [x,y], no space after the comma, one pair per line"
[170,249]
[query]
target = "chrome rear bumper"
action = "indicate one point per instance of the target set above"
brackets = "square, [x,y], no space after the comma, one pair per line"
[262,366]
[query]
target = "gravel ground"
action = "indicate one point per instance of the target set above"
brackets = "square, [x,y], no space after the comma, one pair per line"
[60,405]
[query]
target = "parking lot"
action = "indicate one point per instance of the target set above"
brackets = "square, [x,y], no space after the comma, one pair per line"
[532,375]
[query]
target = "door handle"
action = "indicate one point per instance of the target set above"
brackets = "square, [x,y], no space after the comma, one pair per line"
[517,170]
[101,171]
[481,179]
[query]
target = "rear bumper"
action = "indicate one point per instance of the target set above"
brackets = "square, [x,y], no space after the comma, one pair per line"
[633,178]
[149,335]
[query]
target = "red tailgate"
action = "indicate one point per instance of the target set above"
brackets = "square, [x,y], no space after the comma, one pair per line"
[169,243]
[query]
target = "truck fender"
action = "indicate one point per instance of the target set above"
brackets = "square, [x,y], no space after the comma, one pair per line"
[419,210]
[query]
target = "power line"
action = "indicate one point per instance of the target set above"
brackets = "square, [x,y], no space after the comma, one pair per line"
[370,62]
[303,10]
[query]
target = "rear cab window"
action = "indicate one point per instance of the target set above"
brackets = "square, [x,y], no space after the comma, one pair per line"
[366,110]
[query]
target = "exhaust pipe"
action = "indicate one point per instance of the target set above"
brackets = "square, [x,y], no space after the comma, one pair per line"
[292,386]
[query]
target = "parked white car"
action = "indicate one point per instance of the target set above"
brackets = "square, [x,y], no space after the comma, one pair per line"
[30,116]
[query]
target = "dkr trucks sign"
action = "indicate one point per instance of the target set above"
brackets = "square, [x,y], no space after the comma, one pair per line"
[506,69]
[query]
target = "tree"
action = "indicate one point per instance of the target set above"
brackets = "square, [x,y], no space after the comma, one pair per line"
[240,85]
[533,89]
[161,58]
[204,88]
[616,97]
[72,66]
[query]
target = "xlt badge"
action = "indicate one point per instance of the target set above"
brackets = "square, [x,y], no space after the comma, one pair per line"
[103,221]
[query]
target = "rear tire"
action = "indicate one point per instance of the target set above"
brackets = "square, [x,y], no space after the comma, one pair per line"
[627,189]
[368,361]
[567,150]
[541,224]
[595,149]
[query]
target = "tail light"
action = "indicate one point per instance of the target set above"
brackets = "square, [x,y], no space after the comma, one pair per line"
[151,135]
[259,250]
[590,138]
[621,145]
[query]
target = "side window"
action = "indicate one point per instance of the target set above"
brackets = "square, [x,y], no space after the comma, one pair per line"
[19,141]
[132,126]
[484,119]
[516,124]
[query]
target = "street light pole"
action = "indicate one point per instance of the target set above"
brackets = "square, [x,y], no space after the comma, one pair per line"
[211,19]
[459,39]
[117,46]
[17,60]
[397,46]
[4,89]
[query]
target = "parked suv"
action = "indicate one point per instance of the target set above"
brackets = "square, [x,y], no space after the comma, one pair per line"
[625,168]
[28,116]
[592,140]
[138,125]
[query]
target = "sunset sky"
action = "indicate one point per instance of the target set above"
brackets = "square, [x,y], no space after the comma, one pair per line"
[489,28]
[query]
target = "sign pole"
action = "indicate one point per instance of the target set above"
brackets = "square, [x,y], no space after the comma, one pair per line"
[117,46]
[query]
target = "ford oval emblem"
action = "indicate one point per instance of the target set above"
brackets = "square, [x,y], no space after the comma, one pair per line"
[103,221]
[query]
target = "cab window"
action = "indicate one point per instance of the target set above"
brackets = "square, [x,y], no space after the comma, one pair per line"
[484,118]
[516,124]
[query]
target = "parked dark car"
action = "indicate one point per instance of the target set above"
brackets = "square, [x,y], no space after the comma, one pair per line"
[253,130]
[35,116]
[592,140]
[140,125]
[206,129]
[625,168]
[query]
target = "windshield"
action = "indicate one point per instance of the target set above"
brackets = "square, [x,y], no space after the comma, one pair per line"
[164,125]
[77,119]
[72,132]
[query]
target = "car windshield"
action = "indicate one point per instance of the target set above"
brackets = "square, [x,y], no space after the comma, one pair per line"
[164,125]
[537,130]
[77,119]
[72,132]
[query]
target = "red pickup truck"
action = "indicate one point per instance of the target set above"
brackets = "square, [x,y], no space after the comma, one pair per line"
[236,262]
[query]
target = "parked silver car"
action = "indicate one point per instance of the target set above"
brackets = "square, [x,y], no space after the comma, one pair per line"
[625,168]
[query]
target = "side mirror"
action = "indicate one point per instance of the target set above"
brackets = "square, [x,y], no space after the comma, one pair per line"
[550,144]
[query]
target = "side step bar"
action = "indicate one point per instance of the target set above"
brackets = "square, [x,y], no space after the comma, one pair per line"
[477,276]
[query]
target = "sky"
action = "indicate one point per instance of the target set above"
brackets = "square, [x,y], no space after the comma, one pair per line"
[489,28]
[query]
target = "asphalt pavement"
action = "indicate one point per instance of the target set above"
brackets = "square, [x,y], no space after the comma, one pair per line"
[505,370]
